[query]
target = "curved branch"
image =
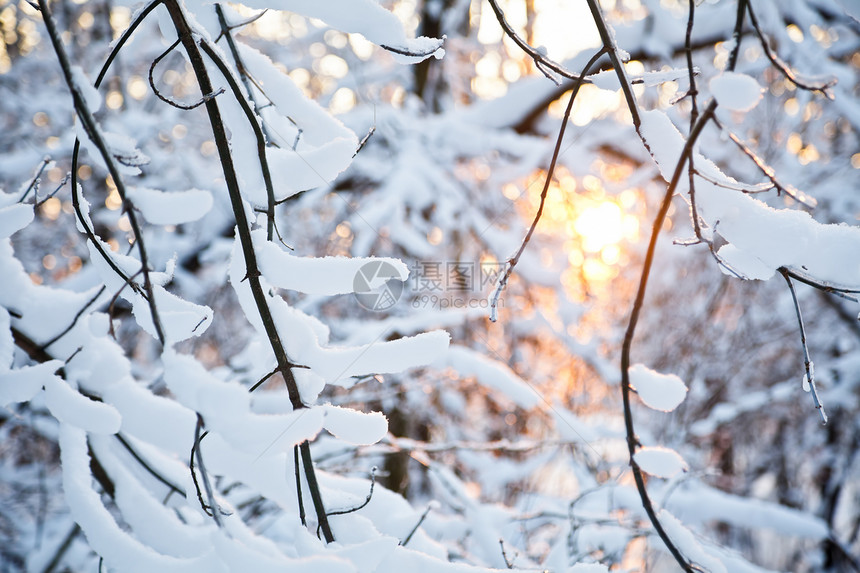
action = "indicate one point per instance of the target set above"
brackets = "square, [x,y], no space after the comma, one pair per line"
[785,69]
[171,101]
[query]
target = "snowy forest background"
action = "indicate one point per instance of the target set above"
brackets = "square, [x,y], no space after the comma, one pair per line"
[195,377]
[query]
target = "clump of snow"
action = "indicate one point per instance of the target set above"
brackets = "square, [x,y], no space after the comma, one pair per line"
[688,545]
[662,392]
[14,218]
[172,208]
[660,462]
[355,427]
[775,237]
[735,91]
[69,406]
[92,97]
[325,276]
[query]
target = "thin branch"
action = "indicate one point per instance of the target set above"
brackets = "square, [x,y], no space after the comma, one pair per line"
[316,495]
[413,54]
[632,440]
[366,501]
[542,62]
[35,182]
[809,378]
[195,454]
[124,37]
[94,132]
[250,115]
[171,101]
[417,525]
[510,564]
[768,171]
[608,40]
[494,299]
[784,68]
[693,92]
[75,320]
[302,515]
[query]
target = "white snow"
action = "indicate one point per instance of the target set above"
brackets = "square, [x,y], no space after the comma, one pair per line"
[492,374]
[318,275]
[92,97]
[22,384]
[73,408]
[365,17]
[174,208]
[13,218]
[608,79]
[775,237]
[355,427]
[659,461]
[686,542]
[662,392]
[736,91]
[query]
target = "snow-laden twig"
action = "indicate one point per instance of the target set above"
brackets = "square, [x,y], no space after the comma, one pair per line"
[94,132]
[243,227]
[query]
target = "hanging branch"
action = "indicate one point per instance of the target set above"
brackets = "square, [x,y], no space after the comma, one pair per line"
[252,274]
[94,132]
[809,378]
[494,298]
[785,69]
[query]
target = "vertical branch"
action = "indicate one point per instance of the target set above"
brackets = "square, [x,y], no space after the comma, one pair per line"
[807,362]
[94,131]
[693,93]
[252,274]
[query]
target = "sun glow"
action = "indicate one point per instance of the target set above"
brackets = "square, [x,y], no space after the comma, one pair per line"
[595,225]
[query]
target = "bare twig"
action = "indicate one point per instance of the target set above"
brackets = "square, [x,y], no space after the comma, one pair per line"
[494,298]
[211,508]
[785,69]
[417,525]
[171,101]
[259,127]
[768,171]
[809,378]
